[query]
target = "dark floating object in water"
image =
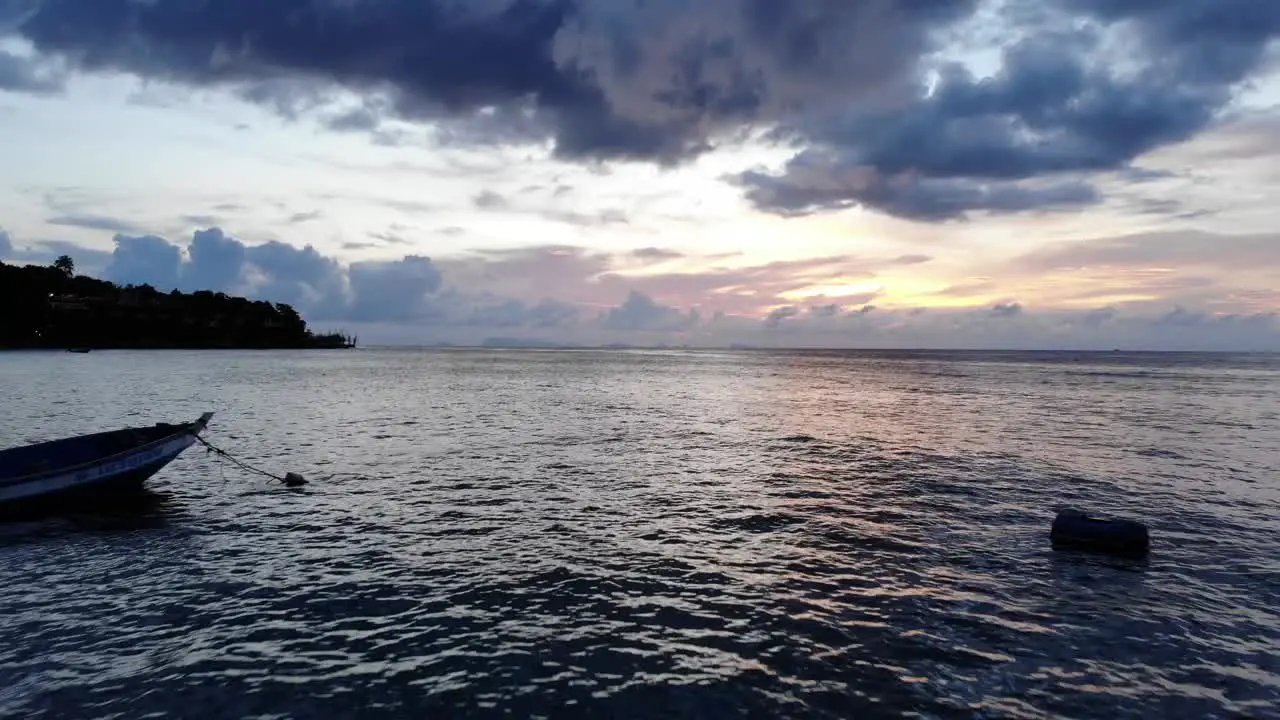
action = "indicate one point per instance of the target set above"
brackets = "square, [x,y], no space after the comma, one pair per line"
[80,350]
[1074,530]
[101,466]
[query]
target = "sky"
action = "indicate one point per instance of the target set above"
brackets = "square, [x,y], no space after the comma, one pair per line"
[1056,174]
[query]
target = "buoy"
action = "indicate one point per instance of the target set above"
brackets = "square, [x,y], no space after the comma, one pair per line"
[1073,529]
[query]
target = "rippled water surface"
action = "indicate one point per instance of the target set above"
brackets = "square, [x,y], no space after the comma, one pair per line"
[653,534]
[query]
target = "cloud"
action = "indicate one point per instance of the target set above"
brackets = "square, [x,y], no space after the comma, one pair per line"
[807,188]
[29,75]
[145,260]
[510,313]
[489,200]
[1009,309]
[91,221]
[1164,249]
[777,315]
[656,254]
[911,260]
[301,277]
[201,220]
[393,235]
[641,312]
[392,290]
[89,261]
[658,81]
[750,288]
[572,217]
[409,290]
[1062,104]
[216,261]
[567,294]
[302,217]
[879,117]
[496,202]
[969,289]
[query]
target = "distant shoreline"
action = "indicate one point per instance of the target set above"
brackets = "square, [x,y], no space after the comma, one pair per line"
[52,308]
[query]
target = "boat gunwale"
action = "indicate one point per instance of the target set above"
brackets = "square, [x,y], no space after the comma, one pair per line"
[191,428]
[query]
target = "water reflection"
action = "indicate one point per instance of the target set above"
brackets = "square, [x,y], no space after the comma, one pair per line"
[140,510]
[658,534]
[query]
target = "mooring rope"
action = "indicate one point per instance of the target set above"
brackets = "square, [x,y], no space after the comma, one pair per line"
[289,479]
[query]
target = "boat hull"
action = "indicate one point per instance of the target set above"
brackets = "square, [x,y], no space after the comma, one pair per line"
[106,479]
[106,494]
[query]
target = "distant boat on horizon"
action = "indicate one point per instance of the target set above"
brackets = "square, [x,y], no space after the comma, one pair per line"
[78,350]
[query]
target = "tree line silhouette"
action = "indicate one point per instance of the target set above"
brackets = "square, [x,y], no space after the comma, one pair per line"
[49,306]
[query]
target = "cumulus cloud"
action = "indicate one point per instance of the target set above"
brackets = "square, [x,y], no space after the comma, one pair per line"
[396,290]
[641,312]
[216,261]
[410,291]
[145,259]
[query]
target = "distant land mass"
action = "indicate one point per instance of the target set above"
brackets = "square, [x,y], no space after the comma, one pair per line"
[50,307]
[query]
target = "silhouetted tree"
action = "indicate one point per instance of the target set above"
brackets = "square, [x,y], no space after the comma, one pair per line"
[65,265]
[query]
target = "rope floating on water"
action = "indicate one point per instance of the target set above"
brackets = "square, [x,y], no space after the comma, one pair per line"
[289,479]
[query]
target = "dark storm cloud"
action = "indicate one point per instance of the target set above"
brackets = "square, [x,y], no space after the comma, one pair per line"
[658,80]
[1052,110]
[664,80]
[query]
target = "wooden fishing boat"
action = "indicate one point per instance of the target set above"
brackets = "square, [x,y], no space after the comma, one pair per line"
[98,466]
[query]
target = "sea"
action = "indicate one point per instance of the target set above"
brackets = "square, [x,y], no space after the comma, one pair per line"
[652,534]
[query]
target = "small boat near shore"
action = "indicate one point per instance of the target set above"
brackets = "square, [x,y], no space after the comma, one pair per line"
[99,466]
